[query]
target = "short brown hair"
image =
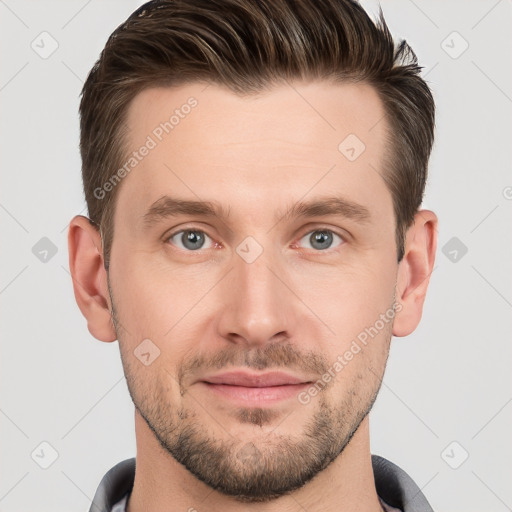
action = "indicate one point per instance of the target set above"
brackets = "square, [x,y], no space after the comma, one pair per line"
[249,45]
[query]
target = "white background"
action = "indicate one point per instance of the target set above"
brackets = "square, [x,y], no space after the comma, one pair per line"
[448,381]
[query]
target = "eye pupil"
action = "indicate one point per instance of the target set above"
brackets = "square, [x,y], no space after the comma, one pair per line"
[321,239]
[192,240]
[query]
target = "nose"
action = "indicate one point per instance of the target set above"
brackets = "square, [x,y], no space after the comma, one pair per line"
[257,306]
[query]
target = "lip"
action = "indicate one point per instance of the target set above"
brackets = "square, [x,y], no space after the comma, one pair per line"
[250,389]
[255,380]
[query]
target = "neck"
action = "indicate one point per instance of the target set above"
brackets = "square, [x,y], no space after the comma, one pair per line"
[163,485]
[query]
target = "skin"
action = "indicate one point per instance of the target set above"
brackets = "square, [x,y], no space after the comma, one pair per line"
[295,308]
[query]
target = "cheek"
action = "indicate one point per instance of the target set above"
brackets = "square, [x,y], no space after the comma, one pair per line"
[152,297]
[357,365]
[355,308]
[347,300]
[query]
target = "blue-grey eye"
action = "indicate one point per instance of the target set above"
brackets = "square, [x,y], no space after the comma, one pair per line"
[191,240]
[320,239]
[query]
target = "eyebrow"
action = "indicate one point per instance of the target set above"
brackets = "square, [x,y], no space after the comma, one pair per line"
[167,206]
[332,205]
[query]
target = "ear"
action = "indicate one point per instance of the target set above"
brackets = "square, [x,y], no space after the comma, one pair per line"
[414,272]
[86,265]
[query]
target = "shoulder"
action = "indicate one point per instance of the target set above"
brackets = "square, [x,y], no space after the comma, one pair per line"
[397,488]
[116,483]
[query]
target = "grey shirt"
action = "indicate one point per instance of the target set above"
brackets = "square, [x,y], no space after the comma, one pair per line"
[396,489]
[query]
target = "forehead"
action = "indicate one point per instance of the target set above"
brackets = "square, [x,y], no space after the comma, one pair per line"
[205,140]
[218,115]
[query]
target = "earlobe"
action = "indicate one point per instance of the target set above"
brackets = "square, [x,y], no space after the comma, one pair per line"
[90,278]
[414,272]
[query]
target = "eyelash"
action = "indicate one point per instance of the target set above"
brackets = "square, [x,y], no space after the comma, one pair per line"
[215,244]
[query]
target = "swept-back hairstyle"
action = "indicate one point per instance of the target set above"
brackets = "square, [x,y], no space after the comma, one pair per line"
[249,46]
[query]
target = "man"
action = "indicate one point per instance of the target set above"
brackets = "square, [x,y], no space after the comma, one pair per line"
[253,172]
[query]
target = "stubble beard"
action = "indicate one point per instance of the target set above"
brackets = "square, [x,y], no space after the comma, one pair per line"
[260,469]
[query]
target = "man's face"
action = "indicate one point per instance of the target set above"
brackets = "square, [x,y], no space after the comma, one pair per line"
[255,290]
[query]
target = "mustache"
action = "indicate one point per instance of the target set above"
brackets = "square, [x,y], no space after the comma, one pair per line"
[283,356]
